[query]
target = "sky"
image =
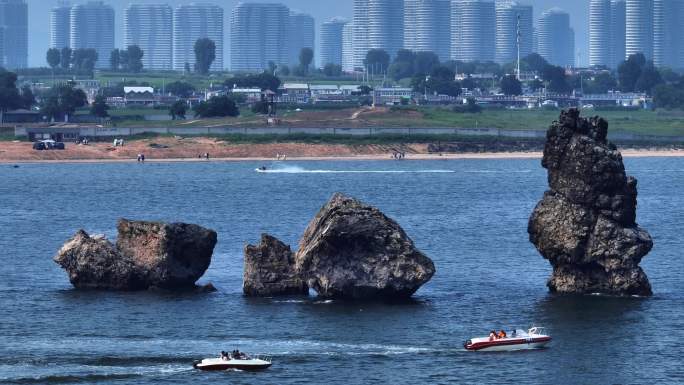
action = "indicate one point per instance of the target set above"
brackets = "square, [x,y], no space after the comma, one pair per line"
[321,10]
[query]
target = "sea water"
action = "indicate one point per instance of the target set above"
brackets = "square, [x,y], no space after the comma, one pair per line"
[469,216]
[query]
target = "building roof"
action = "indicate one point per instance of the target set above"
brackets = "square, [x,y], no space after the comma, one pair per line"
[350,87]
[323,87]
[296,86]
[246,90]
[138,90]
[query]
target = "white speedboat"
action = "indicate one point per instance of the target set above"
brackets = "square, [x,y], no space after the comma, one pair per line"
[239,361]
[534,338]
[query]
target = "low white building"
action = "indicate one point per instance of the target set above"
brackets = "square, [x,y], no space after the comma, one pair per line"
[143,96]
[295,93]
[252,95]
[392,96]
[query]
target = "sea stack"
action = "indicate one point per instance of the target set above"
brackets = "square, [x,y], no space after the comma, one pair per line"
[352,250]
[146,255]
[585,224]
[270,270]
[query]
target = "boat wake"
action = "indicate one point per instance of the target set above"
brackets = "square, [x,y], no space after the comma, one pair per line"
[301,170]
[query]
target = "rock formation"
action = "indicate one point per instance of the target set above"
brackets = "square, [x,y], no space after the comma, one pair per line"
[585,225]
[146,255]
[270,270]
[351,250]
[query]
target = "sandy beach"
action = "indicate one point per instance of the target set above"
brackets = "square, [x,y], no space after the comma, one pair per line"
[191,150]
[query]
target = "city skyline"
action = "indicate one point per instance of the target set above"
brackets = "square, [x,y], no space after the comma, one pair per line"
[321,10]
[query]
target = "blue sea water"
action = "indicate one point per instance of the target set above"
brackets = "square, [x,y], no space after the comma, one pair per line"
[469,216]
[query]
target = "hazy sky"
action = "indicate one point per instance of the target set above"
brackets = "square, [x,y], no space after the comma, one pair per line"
[39,18]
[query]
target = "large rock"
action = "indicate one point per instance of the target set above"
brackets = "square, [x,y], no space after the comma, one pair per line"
[352,250]
[270,270]
[146,255]
[585,225]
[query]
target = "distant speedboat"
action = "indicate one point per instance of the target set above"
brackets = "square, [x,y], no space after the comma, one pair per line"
[261,169]
[234,360]
[534,338]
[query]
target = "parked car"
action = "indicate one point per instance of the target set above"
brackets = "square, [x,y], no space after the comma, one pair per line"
[48,144]
[40,146]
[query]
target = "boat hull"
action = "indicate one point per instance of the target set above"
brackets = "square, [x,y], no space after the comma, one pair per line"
[220,365]
[509,345]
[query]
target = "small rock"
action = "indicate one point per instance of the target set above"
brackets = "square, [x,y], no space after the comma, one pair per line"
[270,270]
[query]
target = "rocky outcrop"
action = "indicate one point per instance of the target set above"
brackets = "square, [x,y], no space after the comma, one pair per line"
[352,250]
[585,225]
[270,270]
[146,255]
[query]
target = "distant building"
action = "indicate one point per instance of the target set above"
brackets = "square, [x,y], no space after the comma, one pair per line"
[60,25]
[259,33]
[508,13]
[556,40]
[150,27]
[639,28]
[668,42]
[378,24]
[193,22]
[392,96]
[142,96]
[92,26]
[426,26]
[331,42]
[473,30]
[301,33]
[348,48]
[606,33]
[14,23]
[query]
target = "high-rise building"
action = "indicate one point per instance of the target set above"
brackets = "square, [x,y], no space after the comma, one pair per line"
[331,42]
[473,30]
[556,40]
[14,23]
[639,28]
[60,25]
[600,33]
[617,21]
[426,23]
[360,34]
[668,44]
[301,33]
[378,24]
[92,26]
[150,27]
[193,22]
[259,33]
[510,14]
[348,48]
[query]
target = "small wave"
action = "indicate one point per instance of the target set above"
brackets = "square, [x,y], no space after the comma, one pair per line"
[300,170]
[497,171]
[70,379]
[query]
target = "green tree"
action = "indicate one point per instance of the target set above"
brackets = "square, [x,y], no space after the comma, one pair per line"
[264,81]
[669,96]
[425,62]
[84,59]
[178,110]
[99,107]
[28,100]
[629,71]
[218,106]
[556,79]
[180,89]
[377,61]
[134,57]
[205,54]
[534,62]
[441,81]
[403,65]
[332,70]
[600,84]
[284,70]
[9,94]
[510,85]
[305,58]
[649,78]
[65,57]
[62,101]
[115,59]
[53,57]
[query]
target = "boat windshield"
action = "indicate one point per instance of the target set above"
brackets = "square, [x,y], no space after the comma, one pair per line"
[536,330]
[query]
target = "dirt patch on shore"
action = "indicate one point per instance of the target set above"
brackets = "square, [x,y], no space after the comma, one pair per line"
[194,148]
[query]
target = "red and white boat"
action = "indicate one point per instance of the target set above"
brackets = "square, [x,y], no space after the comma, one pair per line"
[227,361]
[534,338]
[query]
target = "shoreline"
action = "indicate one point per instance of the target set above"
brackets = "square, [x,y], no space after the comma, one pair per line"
[627,153]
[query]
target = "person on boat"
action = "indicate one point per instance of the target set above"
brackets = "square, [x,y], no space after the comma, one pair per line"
[492,335]
[502,334]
